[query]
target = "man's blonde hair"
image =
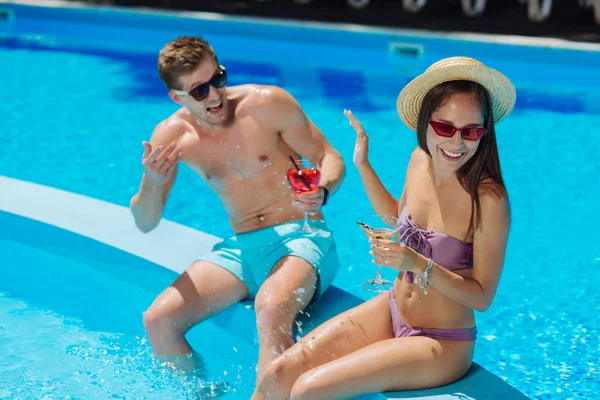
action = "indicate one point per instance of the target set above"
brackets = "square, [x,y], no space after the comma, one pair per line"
[182,56]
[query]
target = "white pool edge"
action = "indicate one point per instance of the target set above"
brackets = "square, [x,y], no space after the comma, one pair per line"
[171,245]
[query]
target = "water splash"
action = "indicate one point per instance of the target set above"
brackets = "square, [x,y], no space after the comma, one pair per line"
[125,368]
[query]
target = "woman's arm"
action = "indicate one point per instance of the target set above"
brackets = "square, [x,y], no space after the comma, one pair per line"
[380,198]
[489,247]
[382,201]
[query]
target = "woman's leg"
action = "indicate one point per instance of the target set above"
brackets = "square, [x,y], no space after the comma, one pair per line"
[352,330]
[406,363]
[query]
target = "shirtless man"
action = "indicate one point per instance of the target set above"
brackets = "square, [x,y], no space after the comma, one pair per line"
[238,140]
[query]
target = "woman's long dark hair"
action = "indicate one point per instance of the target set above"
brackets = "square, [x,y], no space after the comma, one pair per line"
[484,167]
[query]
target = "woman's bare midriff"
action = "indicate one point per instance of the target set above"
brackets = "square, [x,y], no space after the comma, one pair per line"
[432,310]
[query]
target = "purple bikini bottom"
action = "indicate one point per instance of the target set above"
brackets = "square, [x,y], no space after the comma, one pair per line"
[402,329]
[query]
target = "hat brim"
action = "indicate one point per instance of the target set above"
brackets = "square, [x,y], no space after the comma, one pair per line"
[502,92]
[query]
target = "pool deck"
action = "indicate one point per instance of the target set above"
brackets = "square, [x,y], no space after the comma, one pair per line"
[567,20]
[113,225]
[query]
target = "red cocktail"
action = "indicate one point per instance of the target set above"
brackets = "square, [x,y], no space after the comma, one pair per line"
[304,180]
[304,177]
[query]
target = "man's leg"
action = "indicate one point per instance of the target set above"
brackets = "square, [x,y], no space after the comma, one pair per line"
[288,289]
[203,290]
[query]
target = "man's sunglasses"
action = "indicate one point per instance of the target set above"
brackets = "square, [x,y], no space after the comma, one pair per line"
[200,92]
[468,133]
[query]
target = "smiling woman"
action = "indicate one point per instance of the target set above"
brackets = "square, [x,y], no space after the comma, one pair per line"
[460,91]
[456,97]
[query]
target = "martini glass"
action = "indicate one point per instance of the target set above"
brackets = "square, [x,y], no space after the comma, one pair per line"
[379,227]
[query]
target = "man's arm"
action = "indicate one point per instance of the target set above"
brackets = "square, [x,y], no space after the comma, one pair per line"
[306,139]
[160,160]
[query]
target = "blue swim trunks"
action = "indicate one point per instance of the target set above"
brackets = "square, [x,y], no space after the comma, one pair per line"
[251,256]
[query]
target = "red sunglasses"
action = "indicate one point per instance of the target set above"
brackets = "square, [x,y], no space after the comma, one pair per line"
[468,133]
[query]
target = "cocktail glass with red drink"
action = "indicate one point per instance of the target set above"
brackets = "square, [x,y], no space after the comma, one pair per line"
[304,177]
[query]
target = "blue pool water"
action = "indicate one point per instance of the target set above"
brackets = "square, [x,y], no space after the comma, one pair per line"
[76,120]
[58,341]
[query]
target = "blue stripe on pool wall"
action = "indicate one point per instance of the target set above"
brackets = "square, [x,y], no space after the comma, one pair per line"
[342,87]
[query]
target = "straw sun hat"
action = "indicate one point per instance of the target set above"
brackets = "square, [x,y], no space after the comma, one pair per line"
[502,91]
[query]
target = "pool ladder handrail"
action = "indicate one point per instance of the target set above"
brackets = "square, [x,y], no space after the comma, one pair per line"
[357,4]
[539,10]
[594,5]
[413,6]
[473,8]
[536,11]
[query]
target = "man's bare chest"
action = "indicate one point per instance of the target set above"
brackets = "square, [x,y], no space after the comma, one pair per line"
[243,156]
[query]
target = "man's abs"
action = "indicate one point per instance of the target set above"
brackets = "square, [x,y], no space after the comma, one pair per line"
[257,204]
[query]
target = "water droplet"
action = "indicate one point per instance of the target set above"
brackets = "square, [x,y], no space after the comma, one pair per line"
[237,147]
[261,218]
[311,345]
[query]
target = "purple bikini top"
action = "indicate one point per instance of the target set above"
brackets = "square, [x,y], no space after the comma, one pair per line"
[446,251]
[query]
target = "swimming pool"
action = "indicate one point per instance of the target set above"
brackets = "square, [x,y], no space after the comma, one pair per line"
[86,101]
[75,310]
